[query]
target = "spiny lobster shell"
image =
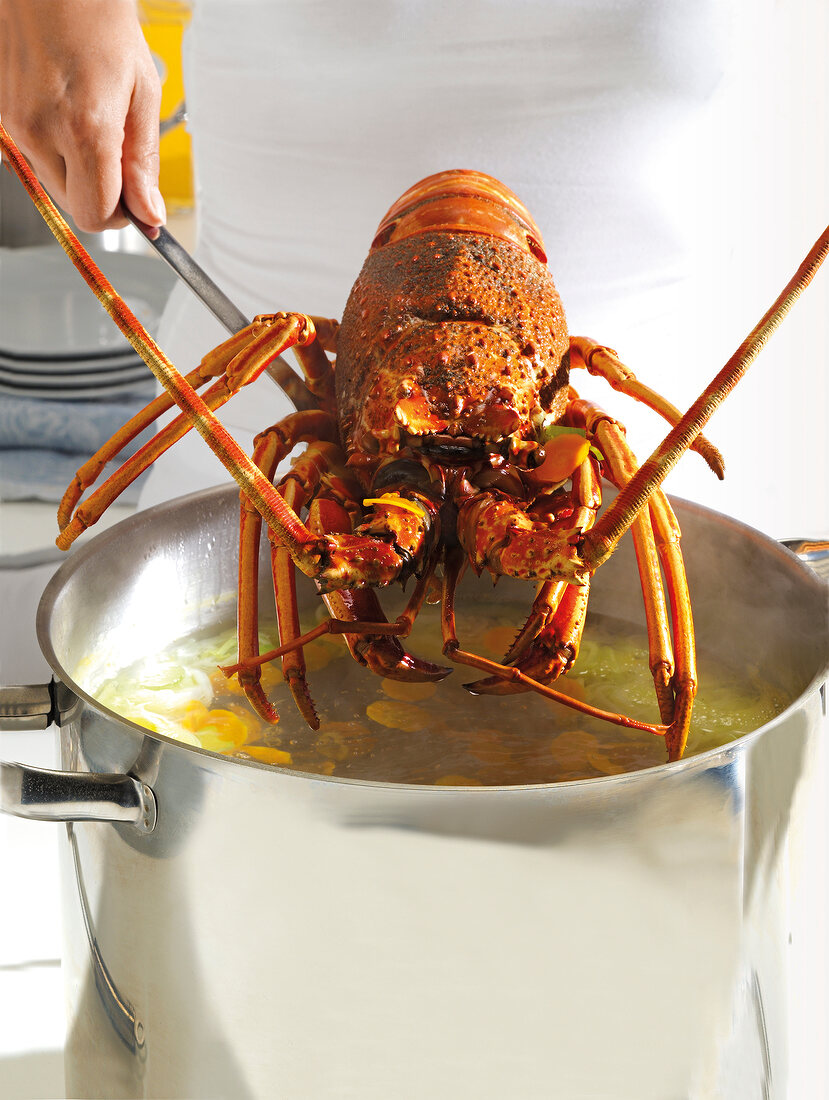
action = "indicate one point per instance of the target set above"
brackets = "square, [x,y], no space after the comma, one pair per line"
[452,333]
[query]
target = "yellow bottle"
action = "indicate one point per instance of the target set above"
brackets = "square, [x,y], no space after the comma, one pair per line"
[163,23]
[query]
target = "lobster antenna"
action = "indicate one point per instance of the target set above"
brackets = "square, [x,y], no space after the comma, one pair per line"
[600,541]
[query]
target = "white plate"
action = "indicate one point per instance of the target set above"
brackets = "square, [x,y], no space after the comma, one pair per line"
[79,380]
[68,368]
[48,311]
[140,388]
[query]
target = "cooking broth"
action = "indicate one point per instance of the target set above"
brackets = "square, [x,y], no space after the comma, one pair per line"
[387,730]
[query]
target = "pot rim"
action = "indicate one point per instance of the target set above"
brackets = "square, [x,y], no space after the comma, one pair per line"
[729,749]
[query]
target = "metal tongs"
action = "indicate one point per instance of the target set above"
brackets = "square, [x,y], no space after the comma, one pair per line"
[180,260]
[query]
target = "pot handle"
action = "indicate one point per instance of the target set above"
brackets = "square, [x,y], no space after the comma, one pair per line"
[812,552]
[35,706]
[46,795]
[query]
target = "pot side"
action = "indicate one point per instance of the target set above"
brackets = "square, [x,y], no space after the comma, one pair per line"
[280,934]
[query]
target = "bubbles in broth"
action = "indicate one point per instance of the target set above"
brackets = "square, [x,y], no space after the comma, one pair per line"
[391,731]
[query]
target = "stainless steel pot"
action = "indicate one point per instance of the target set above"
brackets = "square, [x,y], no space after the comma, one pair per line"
[239,930]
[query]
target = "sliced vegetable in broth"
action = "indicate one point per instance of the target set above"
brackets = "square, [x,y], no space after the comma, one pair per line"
[391,731]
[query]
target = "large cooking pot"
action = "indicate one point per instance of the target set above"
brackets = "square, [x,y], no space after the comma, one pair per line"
[238,930]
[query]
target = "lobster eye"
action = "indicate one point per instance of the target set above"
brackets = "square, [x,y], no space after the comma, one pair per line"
[399,473]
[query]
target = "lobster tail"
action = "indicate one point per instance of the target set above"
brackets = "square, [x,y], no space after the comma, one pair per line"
[461,201]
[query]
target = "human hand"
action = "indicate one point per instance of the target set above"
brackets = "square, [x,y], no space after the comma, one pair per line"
[80,95]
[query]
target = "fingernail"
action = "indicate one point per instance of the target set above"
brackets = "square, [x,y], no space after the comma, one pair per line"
[157,206]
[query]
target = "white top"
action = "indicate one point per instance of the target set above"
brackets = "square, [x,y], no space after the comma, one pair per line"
[676,187]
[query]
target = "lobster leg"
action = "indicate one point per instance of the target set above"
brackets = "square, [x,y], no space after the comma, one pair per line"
[544,606]
[90,511]
[327,329]
[554,648]
[271,447]
[656,532]
[605,363]
[88,474]
[621,464]
[283,572]
[247,612]
[316,367]
[684,679]
[453,568]
[296,488]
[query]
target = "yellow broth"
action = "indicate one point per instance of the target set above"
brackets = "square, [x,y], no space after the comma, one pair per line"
[391,731]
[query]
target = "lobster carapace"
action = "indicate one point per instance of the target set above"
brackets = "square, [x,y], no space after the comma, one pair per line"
[443,434]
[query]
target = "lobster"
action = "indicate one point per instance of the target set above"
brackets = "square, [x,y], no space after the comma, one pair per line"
[445,434]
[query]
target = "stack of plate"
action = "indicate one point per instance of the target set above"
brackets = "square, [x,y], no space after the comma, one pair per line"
[56,340]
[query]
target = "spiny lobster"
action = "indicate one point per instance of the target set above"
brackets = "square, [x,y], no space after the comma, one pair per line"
[445,434]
